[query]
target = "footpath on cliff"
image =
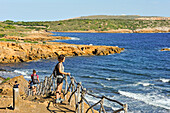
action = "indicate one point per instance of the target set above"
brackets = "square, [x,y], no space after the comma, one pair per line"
[30,104]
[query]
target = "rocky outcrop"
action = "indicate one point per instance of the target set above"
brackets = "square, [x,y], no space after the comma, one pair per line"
[11,52]
[6,88]
[44,36]
[165,49]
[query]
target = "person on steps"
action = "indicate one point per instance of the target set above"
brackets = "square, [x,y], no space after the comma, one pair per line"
[59,72]
[35,81]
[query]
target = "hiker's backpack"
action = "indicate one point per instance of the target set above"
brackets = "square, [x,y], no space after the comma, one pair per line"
[35,80]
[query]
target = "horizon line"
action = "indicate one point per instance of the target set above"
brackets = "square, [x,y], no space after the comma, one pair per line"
[82,16]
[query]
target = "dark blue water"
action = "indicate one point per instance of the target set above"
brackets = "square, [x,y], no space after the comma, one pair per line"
[139,76]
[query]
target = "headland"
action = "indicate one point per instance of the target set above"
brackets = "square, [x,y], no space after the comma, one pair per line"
[36,46]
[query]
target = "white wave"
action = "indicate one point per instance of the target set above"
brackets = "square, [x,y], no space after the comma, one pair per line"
[106,86]
[108,79]
[151,99]
[29,77]
[21,72]
[164,80]
[162,88]
[44,71]
[90,44]
[92,99]
[145,84]
[112,79]
[6,74]
[74,38]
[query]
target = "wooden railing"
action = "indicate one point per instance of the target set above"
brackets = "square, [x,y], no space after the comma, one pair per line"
[75,94]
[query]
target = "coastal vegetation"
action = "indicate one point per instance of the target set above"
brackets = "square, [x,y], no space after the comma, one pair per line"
[10,40]
[87,23]
[105,24]
[8,78]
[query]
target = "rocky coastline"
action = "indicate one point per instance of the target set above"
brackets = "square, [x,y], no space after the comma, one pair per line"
[11,52]
[145,30]
[35,45]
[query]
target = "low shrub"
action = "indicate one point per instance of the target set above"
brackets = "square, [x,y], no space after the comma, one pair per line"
[6,80]
[2,35]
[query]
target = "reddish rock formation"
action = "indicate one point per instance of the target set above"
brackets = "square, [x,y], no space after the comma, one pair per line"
[21,52]
[165,49]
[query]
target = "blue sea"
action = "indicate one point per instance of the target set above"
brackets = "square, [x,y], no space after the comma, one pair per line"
[139,76]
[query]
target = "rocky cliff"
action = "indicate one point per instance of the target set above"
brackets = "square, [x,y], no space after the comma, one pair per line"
[11,52]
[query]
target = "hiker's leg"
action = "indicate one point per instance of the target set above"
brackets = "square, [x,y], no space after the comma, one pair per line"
[58,91]
[33,89]
[60,87]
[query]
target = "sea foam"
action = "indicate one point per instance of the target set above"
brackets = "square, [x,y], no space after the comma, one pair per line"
[74,38]
[21,72]
[145,84]
[155,100]
[164,80]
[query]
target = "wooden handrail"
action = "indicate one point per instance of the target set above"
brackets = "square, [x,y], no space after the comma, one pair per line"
[76,89]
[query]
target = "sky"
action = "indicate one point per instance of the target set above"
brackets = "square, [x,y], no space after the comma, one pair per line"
[52,10]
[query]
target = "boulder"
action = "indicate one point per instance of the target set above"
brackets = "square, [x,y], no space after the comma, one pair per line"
[7,87]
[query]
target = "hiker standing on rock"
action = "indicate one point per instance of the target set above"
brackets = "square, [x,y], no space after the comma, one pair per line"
[35,81]
[59,72]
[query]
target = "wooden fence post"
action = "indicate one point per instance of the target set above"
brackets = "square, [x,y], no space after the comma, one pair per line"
[78,97]
[102,101]
[37,89]
[65,86]
[55,83]
[48,85]
[72,89]
[45,85]
[51,83]
[40,90]
[82,103]
[125,107]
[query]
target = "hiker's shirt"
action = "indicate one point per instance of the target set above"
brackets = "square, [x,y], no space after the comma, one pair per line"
[56,70]
[34,78]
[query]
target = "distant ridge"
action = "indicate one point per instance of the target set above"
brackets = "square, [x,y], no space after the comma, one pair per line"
[136,17]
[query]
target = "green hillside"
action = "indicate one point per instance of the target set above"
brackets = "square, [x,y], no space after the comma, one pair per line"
[114,17]
[97,23]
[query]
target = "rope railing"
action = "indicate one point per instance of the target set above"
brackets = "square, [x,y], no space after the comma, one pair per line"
[75,90]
